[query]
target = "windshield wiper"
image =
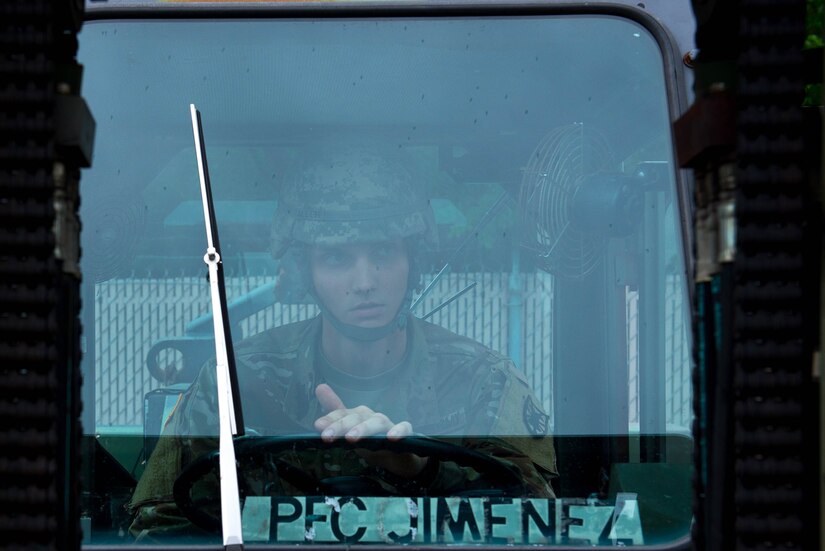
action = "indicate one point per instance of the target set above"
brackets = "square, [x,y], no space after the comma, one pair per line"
[229,404]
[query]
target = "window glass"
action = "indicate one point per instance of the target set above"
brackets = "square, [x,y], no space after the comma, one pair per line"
[453,261]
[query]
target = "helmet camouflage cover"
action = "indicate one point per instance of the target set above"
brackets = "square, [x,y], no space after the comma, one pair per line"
[348,197]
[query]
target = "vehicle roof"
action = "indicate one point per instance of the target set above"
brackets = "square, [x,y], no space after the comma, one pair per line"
[675,15]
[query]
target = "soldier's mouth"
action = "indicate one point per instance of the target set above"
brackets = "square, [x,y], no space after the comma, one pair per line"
[366,310]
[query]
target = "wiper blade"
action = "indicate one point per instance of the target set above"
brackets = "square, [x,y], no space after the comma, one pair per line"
[229,404]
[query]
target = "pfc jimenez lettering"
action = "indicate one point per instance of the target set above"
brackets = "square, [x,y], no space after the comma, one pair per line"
[491,520]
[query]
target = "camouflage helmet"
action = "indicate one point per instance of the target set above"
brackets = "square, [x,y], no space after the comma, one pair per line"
[344,197]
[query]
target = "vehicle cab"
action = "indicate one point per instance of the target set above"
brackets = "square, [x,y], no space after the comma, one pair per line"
[538,135]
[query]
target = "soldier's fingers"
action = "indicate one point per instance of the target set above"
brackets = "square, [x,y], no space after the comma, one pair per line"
[377,423]
[334,416]
[339,422]
[399,431]
[325,421]
[328,399]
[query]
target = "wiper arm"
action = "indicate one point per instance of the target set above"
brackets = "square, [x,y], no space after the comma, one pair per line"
[229,405]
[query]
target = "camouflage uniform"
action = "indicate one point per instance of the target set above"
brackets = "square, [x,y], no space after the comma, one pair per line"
[447,385]
[450,385]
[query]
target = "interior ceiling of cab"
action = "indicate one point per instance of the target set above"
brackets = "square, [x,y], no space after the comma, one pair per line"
[445,82]
[491,89]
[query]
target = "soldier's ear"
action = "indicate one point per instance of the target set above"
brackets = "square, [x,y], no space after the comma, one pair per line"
[415,281]
[293,282]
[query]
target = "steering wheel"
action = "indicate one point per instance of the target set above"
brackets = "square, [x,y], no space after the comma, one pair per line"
[250,447]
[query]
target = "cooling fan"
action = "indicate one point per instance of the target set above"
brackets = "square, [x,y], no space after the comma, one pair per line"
[574,201]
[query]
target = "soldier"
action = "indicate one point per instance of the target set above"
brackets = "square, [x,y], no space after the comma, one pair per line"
[348,233]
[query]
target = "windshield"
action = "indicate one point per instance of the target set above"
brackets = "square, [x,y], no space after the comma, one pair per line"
[455,272]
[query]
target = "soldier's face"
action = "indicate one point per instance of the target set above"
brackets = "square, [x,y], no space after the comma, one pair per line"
[361,284]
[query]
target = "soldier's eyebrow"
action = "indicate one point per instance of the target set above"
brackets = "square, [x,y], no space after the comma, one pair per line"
[324,248]
[320,250]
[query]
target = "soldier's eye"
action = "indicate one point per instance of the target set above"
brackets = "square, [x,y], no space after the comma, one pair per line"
[384,253]
[331,258]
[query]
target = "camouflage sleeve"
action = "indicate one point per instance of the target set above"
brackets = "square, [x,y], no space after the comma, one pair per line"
[449,478]
[189,433]
[505,408]
[163,522]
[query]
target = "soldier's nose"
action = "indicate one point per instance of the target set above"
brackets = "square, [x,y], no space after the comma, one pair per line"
[364,276]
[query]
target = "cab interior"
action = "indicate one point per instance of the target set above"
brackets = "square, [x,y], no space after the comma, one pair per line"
[543,143]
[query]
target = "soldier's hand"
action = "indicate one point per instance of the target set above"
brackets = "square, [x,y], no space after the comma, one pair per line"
[359,422]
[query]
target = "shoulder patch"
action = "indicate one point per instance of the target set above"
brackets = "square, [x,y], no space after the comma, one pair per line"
[535,419]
